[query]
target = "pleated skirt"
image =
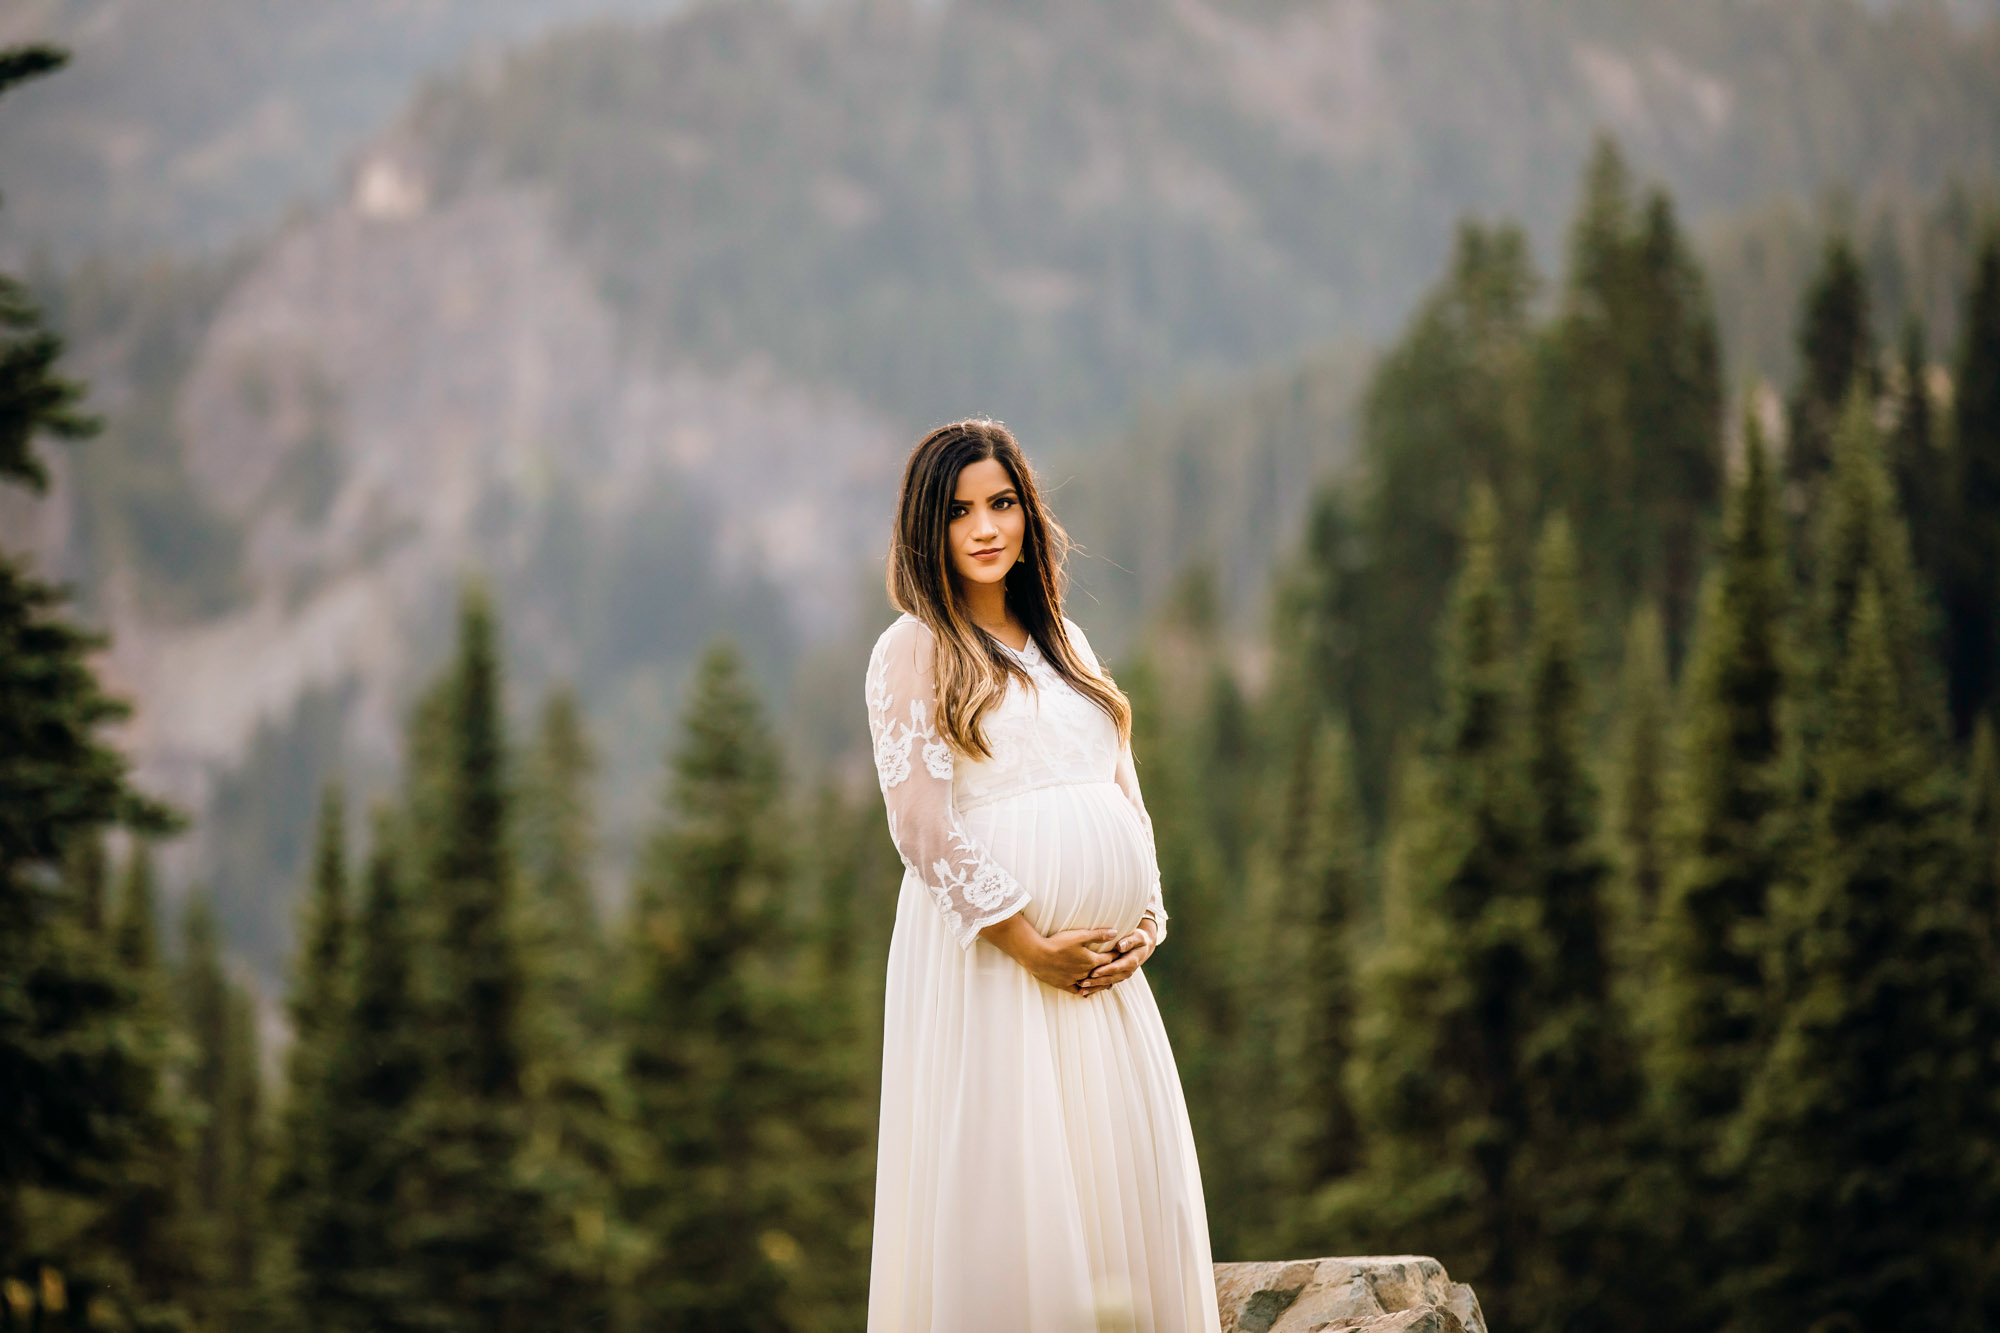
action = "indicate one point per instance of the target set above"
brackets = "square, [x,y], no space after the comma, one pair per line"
[1036,1172]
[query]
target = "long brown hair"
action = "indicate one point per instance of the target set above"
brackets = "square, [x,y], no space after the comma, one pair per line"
[972,667]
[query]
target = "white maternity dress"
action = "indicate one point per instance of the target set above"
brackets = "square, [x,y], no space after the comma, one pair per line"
[1036,1172]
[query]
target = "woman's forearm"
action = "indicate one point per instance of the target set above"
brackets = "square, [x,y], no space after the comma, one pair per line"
[1013,936]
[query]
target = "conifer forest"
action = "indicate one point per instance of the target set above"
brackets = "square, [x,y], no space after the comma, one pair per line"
[1583,855]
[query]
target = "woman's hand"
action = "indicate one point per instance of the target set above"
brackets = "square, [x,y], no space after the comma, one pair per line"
[1128,954]
[1061,960]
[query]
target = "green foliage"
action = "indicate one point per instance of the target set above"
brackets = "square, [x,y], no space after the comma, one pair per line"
[476,1225]
[229,1166]
[711,1035]
[1440,1033]
[1983,837]
[1445,412]
[1323,872]
[1836,358]
[318,1005]
[1920,463]
[1860,535]
[1640,757]
[1866,1138]
[1728,810]
[578,1143]
[1973,581]
[1628,405]
[356,1262]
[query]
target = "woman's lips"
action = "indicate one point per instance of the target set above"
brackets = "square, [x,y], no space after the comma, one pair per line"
[989,553]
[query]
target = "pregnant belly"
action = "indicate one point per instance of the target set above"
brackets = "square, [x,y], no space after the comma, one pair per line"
[1078,849]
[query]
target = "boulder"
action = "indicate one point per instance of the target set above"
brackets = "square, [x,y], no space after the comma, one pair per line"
[1390,1294]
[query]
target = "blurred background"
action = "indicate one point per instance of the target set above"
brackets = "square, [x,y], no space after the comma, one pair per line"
[1536,466]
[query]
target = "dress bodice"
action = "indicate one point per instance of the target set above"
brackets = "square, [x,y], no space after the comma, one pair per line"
[1042,734]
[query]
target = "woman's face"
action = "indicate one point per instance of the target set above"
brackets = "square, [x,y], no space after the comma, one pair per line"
[987,523]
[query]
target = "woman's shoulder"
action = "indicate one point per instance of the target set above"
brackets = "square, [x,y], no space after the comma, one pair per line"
[1080,641]
[907,637]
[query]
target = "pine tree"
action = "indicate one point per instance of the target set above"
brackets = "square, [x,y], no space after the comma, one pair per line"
[578,1140]
[1629,398]
[1439,1041]
[710,1039]
[1983,837]
[1639,789]
[1836,359]
[149,1221]
[1577,1064]
[1197,745]
[35,401]
[1867,1140]
[1729,821]
[1860,532]
[85,1114]
[1920,467]
[475,1227]
[1322,873]
[228,1167]
[1973,629]
[318,1007]
[1447,410]
[355,1253]
[855,870]
[204,1018]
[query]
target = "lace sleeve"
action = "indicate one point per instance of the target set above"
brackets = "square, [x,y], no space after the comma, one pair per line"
[1128,782]
[914,767]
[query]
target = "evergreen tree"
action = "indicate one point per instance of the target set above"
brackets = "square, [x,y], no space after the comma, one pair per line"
[854,868]
[1447,410]
[1921,468]
[1867,1140]
[1861,533]
[475,1228]
[1983,837]
[1729,821]
[711,1038]
[86,1133]
[228,1167]
[1578,1068]
[318,1007]
[1836,359]
[1439,1037]
[1629,398]
[35,400]
[1197,745]
[356,1264]
[204,1019]
[577,1141]
[1323,876]
[1973,628]
[148,1221]
[1639,759]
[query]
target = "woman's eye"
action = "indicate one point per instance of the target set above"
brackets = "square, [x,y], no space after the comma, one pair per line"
[1004,502]
[956,511]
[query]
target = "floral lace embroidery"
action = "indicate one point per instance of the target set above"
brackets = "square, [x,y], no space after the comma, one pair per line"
[970,889]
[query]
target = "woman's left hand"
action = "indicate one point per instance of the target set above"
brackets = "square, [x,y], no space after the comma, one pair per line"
[1128,953]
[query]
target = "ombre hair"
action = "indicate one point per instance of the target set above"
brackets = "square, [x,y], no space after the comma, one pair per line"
[972,667]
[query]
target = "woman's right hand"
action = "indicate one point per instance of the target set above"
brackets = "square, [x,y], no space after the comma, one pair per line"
[1059,960]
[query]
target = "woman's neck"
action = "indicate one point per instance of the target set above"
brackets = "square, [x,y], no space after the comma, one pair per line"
[986,605]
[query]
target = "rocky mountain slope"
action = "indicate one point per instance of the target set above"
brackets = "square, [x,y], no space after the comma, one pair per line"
[636,322]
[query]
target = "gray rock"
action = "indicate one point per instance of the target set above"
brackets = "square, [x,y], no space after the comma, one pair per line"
[1401,1293]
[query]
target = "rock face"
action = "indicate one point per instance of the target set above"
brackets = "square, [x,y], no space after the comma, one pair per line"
[1405,1293]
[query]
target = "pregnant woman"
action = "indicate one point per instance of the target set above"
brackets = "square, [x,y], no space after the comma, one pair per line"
[1036,1172]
